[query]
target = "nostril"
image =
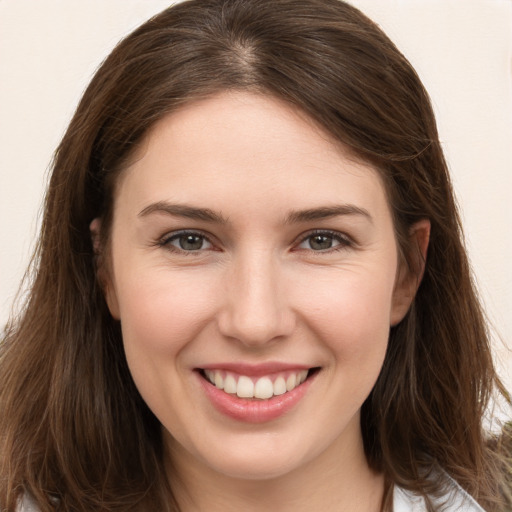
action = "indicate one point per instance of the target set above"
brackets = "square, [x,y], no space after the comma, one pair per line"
[256,311]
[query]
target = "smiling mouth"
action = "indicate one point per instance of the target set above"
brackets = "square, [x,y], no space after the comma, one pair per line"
[259,388]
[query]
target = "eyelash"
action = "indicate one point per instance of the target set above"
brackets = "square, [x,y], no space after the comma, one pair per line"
[165,242]
[343,240]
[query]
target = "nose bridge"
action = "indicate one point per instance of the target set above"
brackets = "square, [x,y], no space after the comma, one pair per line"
[256,310]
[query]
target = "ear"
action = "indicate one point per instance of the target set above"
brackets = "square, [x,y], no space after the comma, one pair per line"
[410,273]
[103,270]
[95,230]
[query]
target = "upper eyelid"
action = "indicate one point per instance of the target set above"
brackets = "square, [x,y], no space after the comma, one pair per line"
[173,234]
[335,234]
[298,240]
[164,241]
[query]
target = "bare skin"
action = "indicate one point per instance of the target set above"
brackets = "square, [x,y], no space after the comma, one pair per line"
[248,244]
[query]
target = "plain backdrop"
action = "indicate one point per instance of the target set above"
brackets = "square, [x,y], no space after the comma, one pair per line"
[462,50]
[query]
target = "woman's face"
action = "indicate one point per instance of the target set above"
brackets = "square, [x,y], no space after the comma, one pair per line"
[250,252]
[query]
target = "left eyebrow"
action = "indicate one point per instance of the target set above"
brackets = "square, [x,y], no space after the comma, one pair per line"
[183,210]
[326,212]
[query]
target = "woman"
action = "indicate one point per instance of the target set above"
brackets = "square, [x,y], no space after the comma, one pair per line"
[251,290]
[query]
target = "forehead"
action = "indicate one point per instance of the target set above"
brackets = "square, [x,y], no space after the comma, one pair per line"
[245,147]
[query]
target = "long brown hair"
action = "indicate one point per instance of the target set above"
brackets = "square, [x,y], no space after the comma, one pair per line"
[73,428]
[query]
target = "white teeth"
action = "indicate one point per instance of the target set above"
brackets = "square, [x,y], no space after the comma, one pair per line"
[291,382]
[219,381]
[230,384]
[262,388]
[279,386]
[245,387]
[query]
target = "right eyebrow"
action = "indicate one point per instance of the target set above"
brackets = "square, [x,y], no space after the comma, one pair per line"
[182,210]
[325,212]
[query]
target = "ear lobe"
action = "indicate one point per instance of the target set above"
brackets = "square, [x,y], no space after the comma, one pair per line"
[102,271]
[410,273]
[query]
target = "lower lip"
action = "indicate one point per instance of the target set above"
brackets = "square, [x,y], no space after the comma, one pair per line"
[254,411]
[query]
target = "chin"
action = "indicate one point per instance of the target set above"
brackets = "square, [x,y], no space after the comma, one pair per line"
[257,467]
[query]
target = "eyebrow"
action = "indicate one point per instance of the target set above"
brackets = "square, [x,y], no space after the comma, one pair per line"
[186,211]
[207,215]
[326,212]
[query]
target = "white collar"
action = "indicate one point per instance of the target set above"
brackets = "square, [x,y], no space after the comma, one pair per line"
[455,499]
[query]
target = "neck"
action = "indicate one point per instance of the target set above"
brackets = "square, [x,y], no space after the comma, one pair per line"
[338,480]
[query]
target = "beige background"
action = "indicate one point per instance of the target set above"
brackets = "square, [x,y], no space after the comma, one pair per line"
[461,48]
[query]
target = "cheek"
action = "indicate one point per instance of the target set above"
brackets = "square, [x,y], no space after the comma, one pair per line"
[351,314]
[162,311]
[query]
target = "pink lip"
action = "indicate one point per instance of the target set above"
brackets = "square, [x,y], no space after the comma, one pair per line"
[253,410]
[256,370]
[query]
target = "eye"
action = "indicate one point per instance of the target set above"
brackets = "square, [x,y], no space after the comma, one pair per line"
[188,241]
[324,241]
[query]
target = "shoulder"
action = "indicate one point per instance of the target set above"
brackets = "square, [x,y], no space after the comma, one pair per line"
[455,499]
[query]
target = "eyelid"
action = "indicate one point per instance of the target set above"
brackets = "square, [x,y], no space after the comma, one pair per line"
[164,241]
[345,240]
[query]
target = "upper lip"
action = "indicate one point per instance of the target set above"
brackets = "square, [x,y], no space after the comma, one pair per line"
[256,370]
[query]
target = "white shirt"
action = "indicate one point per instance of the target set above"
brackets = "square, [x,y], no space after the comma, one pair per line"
[456,499]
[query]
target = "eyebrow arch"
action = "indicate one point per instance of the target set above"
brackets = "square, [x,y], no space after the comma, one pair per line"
[326,212]
[180,210]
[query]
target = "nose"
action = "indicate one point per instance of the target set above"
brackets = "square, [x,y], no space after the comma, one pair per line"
[256,309]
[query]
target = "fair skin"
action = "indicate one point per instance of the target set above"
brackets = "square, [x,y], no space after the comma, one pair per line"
[248,245]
